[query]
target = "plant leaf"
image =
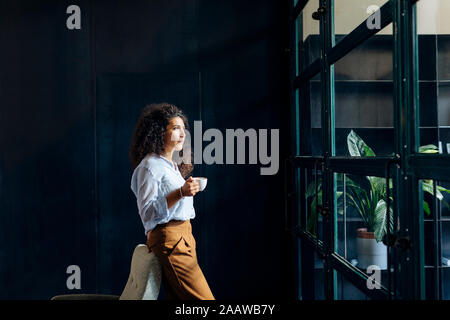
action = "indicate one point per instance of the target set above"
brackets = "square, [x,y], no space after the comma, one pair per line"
[442,189]
[429,148]
[381,220]
[427,186]
[311,224]
[340,210]
[426,208]
[378,186]
[311,189]
[357,147]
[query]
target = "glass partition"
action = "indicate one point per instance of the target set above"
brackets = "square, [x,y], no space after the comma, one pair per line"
[360,122]
[349,14]
[310,117]
[362,221]
[437,238]
[308,36]
[364,103]
[347,291]
[313,195]
[315,86]
[433,27]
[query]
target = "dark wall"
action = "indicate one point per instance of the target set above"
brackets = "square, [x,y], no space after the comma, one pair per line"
[69,100]
[47,168]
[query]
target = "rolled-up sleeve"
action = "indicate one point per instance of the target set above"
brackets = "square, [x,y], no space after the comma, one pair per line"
[151,204]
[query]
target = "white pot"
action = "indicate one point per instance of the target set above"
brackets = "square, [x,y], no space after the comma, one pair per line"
[370,252]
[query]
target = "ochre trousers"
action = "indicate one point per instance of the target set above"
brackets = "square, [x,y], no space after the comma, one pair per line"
[174,245]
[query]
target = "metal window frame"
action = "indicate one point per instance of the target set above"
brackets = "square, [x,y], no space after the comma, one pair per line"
[413,166]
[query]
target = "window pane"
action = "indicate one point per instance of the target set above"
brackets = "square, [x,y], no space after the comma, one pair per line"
[309,118]
[433,27]
[364,97]
[318,278]
[349,14]
[437,238]
[347,291]
[313,202]
[308,38]
[360,205]
[312,274]
[315,86]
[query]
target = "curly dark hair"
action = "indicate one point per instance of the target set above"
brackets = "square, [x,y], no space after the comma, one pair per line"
[148,136]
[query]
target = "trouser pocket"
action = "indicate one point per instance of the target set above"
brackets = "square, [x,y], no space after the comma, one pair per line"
[172,245]
[165,246]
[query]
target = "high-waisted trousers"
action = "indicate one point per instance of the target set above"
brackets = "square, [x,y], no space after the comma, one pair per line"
[175,247]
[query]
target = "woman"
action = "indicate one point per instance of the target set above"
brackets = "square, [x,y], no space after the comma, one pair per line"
[165,199]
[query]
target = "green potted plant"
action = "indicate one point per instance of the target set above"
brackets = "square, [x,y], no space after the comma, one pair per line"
[368,199]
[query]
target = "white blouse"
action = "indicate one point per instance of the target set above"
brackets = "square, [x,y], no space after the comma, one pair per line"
[153,179]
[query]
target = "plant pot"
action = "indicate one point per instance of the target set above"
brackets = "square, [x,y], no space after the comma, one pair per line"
[370,252]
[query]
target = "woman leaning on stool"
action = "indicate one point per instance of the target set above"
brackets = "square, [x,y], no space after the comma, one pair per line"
[165,199]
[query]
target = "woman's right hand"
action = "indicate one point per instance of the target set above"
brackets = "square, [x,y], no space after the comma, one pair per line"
[190,187]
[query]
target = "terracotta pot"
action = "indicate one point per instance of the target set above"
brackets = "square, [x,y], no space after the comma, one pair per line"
[363,233]
[370,252]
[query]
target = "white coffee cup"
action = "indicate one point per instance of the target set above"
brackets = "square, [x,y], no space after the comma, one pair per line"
[202,182]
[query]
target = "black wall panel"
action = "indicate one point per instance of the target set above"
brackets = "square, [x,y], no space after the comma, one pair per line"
[69,101]
[47,208]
